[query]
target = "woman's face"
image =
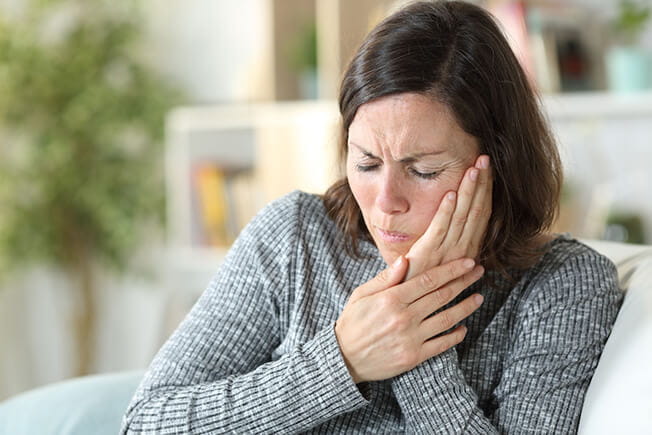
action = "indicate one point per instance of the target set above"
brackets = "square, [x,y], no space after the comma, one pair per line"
[405,152]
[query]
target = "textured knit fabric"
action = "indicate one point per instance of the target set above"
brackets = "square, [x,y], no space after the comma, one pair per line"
[258,352]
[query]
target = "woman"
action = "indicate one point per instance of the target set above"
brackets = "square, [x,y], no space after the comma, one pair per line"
[483,323]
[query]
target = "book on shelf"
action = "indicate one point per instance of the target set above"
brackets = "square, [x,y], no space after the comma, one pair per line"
[224,200]
[559,45]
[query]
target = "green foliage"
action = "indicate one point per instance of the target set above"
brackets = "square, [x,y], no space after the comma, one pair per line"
[631,20]
[81,128]
[303,52]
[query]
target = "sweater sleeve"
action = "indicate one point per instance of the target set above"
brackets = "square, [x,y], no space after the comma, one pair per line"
[216,373]
[556,340]
[435,398]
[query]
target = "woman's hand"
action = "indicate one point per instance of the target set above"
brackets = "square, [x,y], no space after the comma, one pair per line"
[458,228]
[385,328]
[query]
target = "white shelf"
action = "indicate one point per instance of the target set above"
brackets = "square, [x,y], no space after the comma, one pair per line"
[598,105]
[287,146]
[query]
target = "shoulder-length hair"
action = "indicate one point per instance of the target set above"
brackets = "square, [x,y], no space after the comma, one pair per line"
[455,53]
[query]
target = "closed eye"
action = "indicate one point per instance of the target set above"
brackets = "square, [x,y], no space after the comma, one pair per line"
[425,175]
[366,168]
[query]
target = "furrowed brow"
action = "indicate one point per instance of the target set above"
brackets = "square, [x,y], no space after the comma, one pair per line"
[407,159]
[363,151]
[414,157]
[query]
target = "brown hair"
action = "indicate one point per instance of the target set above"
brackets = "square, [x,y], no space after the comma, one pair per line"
[455,53]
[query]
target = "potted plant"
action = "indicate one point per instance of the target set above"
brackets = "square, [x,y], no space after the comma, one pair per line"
[303,58]
[629,65]
[81,123]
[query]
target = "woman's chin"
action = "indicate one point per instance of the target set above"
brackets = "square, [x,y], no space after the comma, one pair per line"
[392,252]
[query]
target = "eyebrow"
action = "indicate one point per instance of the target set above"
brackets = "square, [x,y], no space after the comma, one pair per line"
[407,159]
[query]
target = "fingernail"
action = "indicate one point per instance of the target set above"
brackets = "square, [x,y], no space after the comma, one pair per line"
[484,162]
[478,299]
[468,263]
[397,262]
[474,174]
[450,196]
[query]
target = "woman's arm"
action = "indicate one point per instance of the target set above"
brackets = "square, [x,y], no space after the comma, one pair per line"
[215,373]
[435,398]
[300,390]
[555,345]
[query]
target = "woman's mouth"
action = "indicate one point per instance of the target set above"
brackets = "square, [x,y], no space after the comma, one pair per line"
[392,236]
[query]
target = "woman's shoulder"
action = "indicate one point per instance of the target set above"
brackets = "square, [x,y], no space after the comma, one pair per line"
[296,204]
[294,214]
[570,269]
[564,251]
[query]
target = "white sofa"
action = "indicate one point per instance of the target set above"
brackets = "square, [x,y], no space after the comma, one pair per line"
[619,399]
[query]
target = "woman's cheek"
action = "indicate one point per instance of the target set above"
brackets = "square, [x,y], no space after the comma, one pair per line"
[435,190]
[449,181]
[425,210]
[360,188]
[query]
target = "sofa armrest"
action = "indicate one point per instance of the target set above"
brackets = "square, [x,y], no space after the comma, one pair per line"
[91,404]
[618,399]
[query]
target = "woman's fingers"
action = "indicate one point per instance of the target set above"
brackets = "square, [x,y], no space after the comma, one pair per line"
[471,216]
[432,279]
[480,209]
[442,343]
[435,300]
[439,225]
[448,318]
[424,251]
[380,334]
[387,278]
[465,195]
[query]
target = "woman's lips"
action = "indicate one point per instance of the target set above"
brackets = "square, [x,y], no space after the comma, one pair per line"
[392,236]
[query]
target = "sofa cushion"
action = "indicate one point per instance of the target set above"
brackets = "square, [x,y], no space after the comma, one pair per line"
[87,405]
[618,399]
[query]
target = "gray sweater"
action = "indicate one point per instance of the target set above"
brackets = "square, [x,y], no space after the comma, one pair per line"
[258,352]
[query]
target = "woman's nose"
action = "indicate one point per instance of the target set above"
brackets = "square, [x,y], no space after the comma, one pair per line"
[390,198]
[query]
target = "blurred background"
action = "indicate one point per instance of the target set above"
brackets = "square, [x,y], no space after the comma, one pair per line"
[138,138]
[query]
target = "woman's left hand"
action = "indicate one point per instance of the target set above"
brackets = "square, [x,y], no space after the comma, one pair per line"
[459,225]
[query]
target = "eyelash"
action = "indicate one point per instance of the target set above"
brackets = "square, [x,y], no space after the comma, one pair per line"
[425,176]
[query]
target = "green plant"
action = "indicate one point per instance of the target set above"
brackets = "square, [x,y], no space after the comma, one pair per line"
[303,50]
[81,123]
[631,20]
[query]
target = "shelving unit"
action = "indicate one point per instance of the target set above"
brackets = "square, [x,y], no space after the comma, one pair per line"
[341,26]
[286,146]
[606,146]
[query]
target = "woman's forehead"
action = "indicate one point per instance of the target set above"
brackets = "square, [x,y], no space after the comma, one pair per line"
[409,124]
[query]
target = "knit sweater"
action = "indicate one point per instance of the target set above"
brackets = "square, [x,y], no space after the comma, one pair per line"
[258,353]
